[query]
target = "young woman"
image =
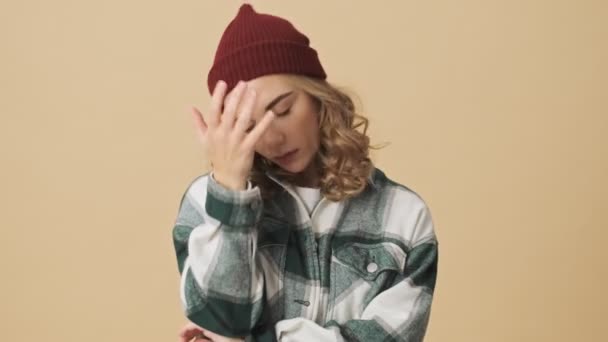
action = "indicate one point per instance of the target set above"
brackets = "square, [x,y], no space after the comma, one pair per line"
[294,235]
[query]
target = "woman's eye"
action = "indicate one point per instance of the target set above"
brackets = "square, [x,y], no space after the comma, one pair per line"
[285,112]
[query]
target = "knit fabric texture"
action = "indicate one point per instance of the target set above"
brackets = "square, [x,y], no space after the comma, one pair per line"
[256,44]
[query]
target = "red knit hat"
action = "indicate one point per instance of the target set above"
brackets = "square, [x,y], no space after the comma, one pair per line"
[257,44]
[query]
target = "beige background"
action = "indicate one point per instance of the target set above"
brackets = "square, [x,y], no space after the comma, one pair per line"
[496,112]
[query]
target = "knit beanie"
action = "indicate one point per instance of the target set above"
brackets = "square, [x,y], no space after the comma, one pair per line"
[257,44]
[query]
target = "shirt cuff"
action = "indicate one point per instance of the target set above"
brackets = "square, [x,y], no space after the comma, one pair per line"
[235,208]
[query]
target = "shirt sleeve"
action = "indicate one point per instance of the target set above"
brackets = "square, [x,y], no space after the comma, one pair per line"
[214,236]
[401,312]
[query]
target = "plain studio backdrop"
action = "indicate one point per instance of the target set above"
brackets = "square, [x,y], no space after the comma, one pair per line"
[496,113]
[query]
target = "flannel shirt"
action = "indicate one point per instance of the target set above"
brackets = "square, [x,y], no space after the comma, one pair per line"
[361,269]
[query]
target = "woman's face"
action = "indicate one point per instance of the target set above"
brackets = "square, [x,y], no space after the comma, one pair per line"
[292,139]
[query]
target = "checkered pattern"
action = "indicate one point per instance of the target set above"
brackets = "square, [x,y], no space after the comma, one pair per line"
[362,269]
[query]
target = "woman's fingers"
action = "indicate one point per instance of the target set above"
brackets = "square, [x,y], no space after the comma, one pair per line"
[243,121]
[194,337]
[202,122]
[231,105]
[219,338]
[199,124]
[227,135]
[217,102]
[189,331]
[252,138]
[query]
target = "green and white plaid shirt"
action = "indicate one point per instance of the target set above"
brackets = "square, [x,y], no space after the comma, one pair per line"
[361,269]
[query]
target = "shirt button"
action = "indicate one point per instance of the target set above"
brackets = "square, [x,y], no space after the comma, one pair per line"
[254,205]
[372,267]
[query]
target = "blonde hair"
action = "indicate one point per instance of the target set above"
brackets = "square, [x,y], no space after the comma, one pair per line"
[343,159]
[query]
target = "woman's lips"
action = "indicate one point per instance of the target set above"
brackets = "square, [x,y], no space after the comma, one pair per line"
[287,157]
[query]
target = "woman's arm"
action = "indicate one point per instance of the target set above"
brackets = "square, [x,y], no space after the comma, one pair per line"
[192,331]
[215,243]
[401,312]
[214,234]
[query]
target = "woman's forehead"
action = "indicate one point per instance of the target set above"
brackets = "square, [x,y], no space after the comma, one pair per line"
[270,90]
[269,86]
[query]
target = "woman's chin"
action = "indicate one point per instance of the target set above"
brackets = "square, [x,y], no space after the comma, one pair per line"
[294,167]
[291,168]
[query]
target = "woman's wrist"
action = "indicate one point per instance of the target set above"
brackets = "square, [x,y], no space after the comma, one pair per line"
[232,184]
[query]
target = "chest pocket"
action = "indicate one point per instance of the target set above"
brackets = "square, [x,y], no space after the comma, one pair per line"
[371,260]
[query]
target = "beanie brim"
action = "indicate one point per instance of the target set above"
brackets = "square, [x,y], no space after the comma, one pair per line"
[264,58]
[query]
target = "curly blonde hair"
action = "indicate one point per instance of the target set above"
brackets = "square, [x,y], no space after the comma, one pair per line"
[342,160]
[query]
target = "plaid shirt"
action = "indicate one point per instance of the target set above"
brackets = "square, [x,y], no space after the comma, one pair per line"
[361,269]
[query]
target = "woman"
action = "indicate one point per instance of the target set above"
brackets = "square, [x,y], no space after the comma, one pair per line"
[295,235]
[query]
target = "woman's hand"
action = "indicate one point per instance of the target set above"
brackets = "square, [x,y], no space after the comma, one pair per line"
[226,136]
[194,333]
